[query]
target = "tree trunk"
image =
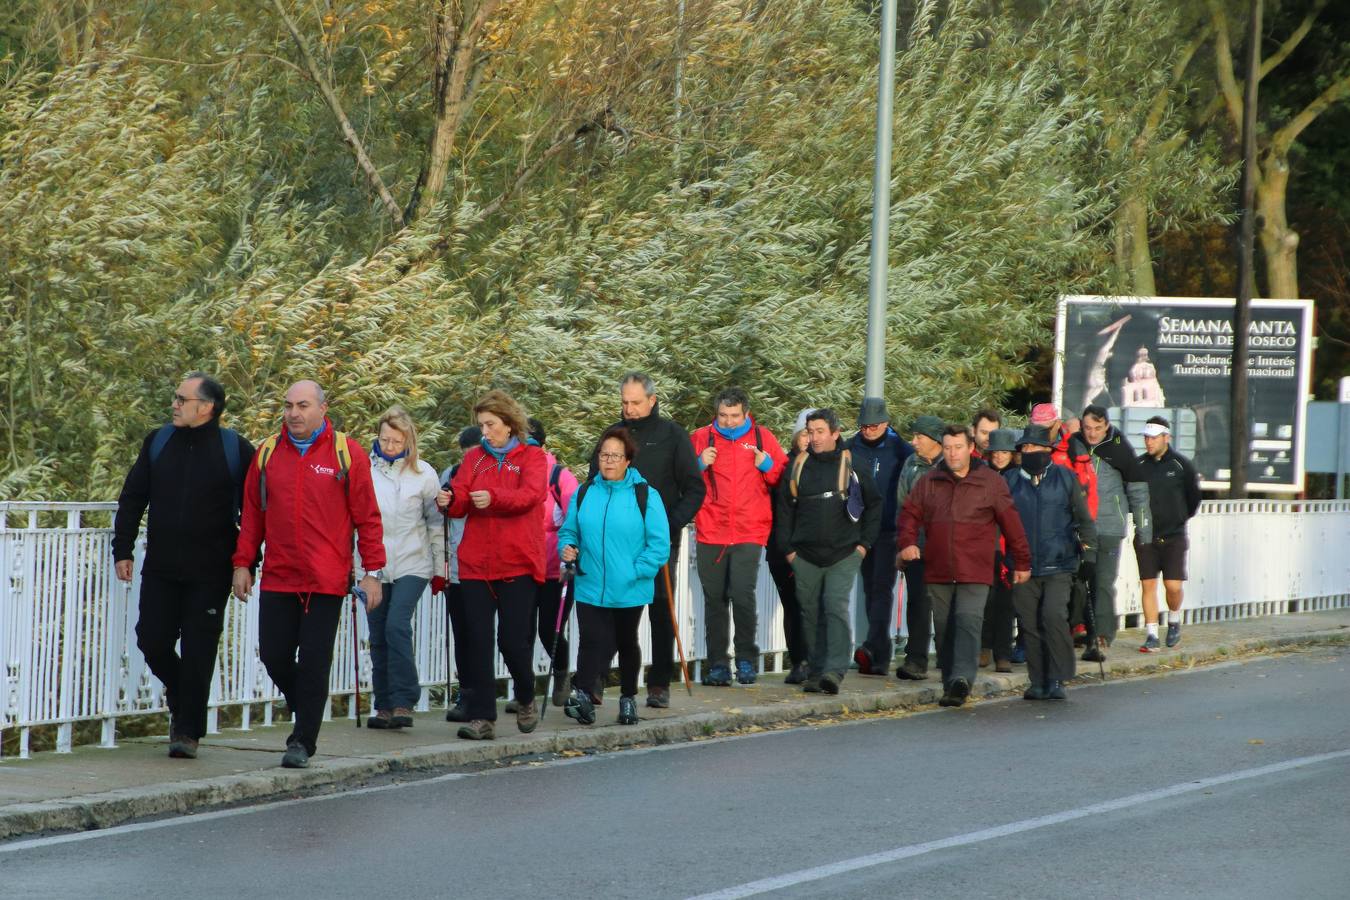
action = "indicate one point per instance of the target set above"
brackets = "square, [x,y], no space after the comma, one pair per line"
[1279,242]
[1133,259]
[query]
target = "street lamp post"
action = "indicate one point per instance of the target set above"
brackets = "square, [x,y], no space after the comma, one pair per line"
[874,379]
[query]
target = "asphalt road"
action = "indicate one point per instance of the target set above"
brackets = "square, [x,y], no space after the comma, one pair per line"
[1224,782]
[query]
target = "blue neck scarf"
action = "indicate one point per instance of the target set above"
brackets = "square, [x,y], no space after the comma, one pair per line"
[736,433]
[379,451]
[499,453]
[303,446]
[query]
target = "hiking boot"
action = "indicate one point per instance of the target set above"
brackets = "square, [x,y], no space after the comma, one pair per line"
[956,694]
[745,671]
[580,707]
[1054,690]
[561,688]
[512,706]
[862,658]
[812,684]
[986,657]
[527,717]
[628,711]
[718,676]
[402,718]
[477,730]
[1019,655]
[829,683]
[295,757]
[1003,665]
[1173,634]
[382,720]
[1096,651]
[1034,692]
[183,747]
[457,713]
[658,697]
[1150,644]
[910,671]
[797,675]
[1079,635]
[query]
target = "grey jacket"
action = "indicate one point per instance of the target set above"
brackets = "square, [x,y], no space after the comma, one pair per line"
[914,468]
[1114,494]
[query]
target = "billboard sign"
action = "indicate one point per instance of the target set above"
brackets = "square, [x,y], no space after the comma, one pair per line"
[1172,356]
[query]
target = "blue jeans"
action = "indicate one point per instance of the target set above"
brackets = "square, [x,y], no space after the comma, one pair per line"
[393,671]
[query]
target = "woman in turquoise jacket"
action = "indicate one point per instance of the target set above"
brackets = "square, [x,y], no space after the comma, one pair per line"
[617,536]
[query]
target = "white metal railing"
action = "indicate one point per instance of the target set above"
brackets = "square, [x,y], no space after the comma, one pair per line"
[67,626]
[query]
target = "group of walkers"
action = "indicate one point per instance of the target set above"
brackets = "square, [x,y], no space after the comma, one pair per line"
[988,526]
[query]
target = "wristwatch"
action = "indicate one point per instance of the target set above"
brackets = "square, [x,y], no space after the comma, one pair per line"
[377,574]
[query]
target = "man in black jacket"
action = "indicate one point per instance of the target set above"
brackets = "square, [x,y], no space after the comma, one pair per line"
[1173,498]
[666,459]
[190,474]
[829,515]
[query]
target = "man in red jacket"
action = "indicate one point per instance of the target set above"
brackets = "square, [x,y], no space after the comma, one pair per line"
[741,462]
[299,499]
[961,505]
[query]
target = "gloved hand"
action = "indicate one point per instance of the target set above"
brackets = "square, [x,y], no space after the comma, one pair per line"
[437,584]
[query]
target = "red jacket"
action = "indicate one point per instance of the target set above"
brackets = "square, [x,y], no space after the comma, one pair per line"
[961,519]
[310,517]
[506,539]
[1080,464]
[738,508]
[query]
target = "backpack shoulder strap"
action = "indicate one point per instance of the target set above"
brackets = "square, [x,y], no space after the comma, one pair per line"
[160,439]
[640,491]
[229,442]
[797,465]
[264,453]
[344,456]
[759,439]
[553,487]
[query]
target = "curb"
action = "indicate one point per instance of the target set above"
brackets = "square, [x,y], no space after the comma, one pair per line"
[109,808]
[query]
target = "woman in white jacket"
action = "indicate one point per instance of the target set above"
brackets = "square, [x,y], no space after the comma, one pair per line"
[405,488]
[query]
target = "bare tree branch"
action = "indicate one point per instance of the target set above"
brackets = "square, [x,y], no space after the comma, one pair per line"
[1282,140]
[348,132]
[1223,63]
[1293,40]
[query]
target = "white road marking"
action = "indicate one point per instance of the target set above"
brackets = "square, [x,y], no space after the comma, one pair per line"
[817,873]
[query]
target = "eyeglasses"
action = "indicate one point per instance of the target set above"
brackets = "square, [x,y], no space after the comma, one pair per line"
[611,457]
[180,400]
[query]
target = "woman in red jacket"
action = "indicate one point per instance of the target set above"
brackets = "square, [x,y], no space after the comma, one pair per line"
[499,489]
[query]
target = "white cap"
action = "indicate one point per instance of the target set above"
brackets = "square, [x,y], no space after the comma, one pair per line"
[801,419]
[1153,429]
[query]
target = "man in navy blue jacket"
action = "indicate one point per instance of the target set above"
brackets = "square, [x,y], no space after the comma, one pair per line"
[878,450]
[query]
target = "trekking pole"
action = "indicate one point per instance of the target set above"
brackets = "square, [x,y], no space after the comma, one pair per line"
[563,595]
[356,653]
[675,626]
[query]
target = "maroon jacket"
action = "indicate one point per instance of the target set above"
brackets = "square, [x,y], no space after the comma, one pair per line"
[961,519]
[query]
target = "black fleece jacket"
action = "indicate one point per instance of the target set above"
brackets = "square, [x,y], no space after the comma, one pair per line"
[819,528]
[666,459]
[190,535]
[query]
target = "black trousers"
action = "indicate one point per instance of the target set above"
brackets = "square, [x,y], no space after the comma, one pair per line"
[786,581]
[998,620]
[1043,606]
[295,643]
[193,612]
[662,670]
[509,604]
[604,630]
[879,573]
[454,609]
[549,596]
[918,616]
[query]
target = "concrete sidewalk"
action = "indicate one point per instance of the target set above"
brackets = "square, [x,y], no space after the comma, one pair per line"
[97,788]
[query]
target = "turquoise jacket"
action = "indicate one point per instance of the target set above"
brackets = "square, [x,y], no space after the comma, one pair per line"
[621,554]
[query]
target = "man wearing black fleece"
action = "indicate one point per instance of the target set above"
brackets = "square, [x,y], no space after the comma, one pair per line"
[190,474]
[665,458]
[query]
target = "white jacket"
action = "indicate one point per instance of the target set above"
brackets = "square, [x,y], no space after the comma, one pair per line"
[413,540]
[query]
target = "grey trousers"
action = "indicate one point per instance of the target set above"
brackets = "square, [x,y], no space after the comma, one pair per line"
[1108,567]
[728,573]
[822,594]
[1043,606]
[958,618]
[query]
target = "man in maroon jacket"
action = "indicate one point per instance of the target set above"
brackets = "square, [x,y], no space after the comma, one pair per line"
[306,515]
[961,505]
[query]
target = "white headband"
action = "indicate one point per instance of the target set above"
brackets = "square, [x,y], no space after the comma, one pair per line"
[1153,429]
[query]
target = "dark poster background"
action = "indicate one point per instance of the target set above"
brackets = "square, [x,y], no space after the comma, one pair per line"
[1143,357]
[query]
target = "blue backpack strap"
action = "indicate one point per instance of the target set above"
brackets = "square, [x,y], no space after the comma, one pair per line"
[229,442]
[160,439]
